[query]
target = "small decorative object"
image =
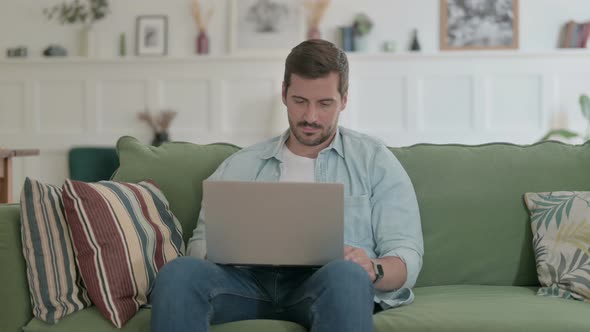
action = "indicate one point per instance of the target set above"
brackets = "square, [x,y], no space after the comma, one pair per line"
[202,41]
[55,50]
[478,25]
[560,131]
[389,46]
[85,12]
[263,26]
[122,45]
[362,25]
[347,38]
[316,10]
[17,52]
[160,124]
[151,35]
[415,44]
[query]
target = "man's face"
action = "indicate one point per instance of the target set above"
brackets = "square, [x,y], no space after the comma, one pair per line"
[313,108]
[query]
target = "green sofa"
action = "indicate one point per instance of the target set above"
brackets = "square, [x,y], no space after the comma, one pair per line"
[479,267]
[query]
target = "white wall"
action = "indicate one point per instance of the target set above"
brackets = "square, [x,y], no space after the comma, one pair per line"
[403,99]
[406,99]
[22,23]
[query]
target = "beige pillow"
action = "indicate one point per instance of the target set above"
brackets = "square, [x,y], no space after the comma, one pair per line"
[560,222]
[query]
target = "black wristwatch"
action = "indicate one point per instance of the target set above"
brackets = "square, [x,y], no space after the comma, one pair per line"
[378,271]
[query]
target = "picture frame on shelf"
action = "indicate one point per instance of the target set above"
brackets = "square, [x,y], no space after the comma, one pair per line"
[479,24]
[151,35]
[265,26]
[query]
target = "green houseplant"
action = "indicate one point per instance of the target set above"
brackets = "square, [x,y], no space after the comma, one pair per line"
[567,134]
[361,26]
[86,13]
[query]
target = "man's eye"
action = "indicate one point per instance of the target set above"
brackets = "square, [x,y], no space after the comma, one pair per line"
[326,104]
[299,101]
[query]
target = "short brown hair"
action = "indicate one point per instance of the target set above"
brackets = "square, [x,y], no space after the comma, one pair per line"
[317,58]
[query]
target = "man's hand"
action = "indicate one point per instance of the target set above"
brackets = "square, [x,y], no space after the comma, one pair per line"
[360,257]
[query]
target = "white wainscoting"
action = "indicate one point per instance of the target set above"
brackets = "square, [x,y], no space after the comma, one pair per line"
[402,98]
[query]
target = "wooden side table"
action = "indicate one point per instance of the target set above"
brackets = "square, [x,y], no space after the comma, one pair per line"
[6,156]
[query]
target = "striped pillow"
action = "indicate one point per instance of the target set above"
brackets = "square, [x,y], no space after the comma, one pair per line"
[54,282]
[123,233]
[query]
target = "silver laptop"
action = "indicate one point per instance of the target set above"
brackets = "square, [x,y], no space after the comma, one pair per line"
[274,223]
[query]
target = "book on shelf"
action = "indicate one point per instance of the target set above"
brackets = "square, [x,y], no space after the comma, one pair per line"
[575,35]
[585,36]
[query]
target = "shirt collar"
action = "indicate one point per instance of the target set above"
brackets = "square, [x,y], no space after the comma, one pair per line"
[274,150]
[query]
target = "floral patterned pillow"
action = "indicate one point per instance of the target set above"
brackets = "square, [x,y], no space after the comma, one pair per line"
[560,222]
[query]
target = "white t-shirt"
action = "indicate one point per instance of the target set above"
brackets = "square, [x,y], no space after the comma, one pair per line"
[296,168]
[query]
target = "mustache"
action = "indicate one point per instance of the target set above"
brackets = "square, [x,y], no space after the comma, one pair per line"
[308,124]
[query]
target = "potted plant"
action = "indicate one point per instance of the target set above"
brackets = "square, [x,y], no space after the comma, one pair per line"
[362,26]
[86,13]
[566,134]
[160,124]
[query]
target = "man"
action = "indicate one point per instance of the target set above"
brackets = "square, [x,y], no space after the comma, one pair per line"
[383,237]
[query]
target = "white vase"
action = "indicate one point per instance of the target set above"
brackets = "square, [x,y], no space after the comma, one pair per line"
[361,43]
[88,41]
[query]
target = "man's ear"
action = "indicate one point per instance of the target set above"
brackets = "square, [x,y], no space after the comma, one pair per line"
[284,93]
[344,101]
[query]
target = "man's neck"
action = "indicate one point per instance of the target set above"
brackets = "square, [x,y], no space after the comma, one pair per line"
[307,151]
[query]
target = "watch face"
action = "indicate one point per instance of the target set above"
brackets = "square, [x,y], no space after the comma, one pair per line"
[379,270]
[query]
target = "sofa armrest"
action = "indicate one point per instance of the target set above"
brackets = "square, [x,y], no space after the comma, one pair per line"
[15,305]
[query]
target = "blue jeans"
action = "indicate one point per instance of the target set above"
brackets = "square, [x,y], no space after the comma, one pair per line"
[190,293]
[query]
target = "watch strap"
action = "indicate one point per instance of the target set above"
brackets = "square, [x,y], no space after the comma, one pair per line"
[378,268]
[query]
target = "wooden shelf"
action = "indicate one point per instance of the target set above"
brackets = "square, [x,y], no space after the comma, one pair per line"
[557,53]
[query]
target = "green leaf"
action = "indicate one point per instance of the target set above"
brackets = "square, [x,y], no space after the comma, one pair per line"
[552,205]
[561,269]
[548,218]
[576,273]
[585,106]
[575,259]
[559,214]
[565,133]
[568,208]
[552,272]
[540,251]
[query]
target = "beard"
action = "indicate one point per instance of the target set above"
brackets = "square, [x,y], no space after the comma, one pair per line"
[311,140]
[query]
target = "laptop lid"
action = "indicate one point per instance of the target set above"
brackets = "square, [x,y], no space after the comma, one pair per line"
[274,223]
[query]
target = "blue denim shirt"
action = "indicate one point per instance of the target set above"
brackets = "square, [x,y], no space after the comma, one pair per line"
[380,209]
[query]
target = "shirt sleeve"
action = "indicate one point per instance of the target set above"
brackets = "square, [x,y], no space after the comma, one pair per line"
[197,244]
[395,214]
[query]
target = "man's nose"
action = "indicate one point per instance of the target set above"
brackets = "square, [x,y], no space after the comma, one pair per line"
[311,114]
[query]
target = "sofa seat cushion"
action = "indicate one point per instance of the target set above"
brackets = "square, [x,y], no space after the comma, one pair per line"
[90,320]
[485,308]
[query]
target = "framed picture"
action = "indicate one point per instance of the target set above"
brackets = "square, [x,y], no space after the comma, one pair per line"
[151,35]
[263,26]
[478,24]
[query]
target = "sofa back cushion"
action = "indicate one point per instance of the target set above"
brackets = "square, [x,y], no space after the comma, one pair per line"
[178,168]
[476,226]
